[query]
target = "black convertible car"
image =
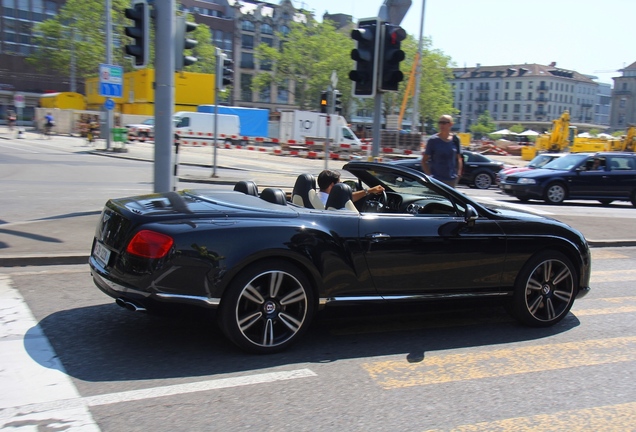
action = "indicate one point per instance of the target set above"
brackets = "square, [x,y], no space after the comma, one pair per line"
[268,262]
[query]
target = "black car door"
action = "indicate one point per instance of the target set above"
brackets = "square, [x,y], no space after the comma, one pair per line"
[621,176]
[428,254]
[588,179]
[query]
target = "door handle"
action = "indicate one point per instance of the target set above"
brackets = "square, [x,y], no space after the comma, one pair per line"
[376,237]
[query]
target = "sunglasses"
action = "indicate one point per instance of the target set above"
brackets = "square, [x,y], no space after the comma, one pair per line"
[443,122]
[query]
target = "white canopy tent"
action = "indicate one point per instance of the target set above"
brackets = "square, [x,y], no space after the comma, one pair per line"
[529,132]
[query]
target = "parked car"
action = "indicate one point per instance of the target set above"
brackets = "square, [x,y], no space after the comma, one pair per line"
[479,170]
[538,162]
[141,131]
[605,177]
[267,265]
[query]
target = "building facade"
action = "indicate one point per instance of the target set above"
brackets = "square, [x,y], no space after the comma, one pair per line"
[528,94]
[623,113]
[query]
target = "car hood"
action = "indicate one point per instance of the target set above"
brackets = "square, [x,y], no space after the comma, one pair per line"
[509,171]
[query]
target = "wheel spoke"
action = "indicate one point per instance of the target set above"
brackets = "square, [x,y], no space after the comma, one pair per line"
[563,274]
[248,321]
[268,333]
[563,295]
[253,295]
[534,285]
[292,323]
[550,309]
[535,305]
[547,269]
[294,297]
[275,282]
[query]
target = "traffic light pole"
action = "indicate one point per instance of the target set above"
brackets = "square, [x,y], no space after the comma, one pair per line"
[164,95]
[217,86]
[377,125]
[109,60]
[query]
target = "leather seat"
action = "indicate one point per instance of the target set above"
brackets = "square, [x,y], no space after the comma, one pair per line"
[275,196]
[247,187]
[304,192]
[341,198]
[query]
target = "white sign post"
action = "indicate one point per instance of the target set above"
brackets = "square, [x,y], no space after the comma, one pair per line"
[19,102]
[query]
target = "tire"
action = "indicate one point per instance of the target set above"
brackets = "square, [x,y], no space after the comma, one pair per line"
[555,193]
[544,290]
[633,199]
[267,307]
[606,201]
[523,198]
[483,180]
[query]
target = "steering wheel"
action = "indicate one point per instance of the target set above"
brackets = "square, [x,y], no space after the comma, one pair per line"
[376,202]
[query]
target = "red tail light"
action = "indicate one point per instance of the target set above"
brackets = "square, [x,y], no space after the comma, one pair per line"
[150,244]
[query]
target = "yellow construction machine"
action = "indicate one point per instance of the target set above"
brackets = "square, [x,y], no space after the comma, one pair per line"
[557,140]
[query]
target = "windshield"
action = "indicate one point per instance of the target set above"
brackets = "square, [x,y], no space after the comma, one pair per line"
[566,163]
[541,160]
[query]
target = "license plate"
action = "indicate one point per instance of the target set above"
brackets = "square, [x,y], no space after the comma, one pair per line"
[507,187]
[101,254]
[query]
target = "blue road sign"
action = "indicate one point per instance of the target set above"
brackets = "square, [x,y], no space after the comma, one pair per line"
[111,79]
[109,104]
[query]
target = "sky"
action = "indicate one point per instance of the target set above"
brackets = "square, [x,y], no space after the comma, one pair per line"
[591,37]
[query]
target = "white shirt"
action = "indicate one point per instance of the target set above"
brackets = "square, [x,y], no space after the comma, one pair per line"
[323,197]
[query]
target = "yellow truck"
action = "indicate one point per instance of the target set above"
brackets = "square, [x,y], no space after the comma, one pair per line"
[557,140]
[63,100]
[138,96]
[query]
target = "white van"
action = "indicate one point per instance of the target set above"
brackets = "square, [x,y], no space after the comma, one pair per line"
[200,127]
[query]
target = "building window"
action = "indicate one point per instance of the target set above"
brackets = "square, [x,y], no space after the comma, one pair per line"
[528,108]
[529,95]
[284,30]
[265,95]
[247,41]
[266,65]
[530,85]
[247,60]
[622,103]
[267,41]
[283,94]
[516,108]
[518,85]
[505,96]
[267,29]
[23,9]
[246,87]
[247,25]
[505,108]
[518,96]
[507,86]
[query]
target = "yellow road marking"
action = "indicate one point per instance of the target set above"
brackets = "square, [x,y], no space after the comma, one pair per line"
[620,417]
[444,368]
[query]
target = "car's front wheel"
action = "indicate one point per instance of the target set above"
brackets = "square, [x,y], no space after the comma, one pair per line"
[555,193]
[634,198]
[483,180]
[544,290]
[267,307]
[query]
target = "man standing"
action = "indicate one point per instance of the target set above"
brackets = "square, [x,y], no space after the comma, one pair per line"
[442,158]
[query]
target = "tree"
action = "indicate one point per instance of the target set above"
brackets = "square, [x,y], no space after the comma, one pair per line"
[307,56]
[74,32]
[518,128]
[483,126]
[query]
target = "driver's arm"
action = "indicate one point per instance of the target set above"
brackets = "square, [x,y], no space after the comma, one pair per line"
[357,195]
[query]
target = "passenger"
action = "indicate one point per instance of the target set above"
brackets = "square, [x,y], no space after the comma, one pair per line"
[442,158]
[328,178]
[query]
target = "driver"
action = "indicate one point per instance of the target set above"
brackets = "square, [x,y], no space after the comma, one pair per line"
[328,178]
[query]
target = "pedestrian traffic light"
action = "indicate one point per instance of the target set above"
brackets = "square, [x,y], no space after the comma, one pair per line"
[227,72]
[337,102]
[365,54]
[324,102]
[140,33]
[182,42]
[392,55]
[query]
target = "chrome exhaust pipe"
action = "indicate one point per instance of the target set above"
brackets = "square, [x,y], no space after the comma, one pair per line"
[131,306]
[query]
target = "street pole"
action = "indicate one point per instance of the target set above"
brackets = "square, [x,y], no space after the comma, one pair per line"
[418,74]
[217,85]
[330,105]
[109,61]
[164,94]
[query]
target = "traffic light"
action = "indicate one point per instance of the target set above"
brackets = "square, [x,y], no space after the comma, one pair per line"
[366,56]
[227,72]
[391,57]
[337,102]
[139,13]
[182,42]
[324,102]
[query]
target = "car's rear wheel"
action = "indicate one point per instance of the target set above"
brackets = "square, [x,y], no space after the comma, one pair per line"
[544,290]
[555,193]
[267,307]
[483,180]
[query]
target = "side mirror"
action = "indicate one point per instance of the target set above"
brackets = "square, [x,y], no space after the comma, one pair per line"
[471,215]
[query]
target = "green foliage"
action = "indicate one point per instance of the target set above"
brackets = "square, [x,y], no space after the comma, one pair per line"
[80,28]
[483,126]
[308,55]
[594,132]
[518,128]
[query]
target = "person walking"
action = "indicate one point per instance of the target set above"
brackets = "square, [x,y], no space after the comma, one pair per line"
[49,122]
[442,158]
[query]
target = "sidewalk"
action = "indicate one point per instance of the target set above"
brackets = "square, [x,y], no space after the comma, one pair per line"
[67,240]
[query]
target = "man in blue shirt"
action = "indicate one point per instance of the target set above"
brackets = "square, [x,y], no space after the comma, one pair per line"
[442,158]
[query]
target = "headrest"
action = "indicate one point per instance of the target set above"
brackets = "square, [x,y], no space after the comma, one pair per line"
[340,195]
[305,183]
[247,187]
[275,196]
